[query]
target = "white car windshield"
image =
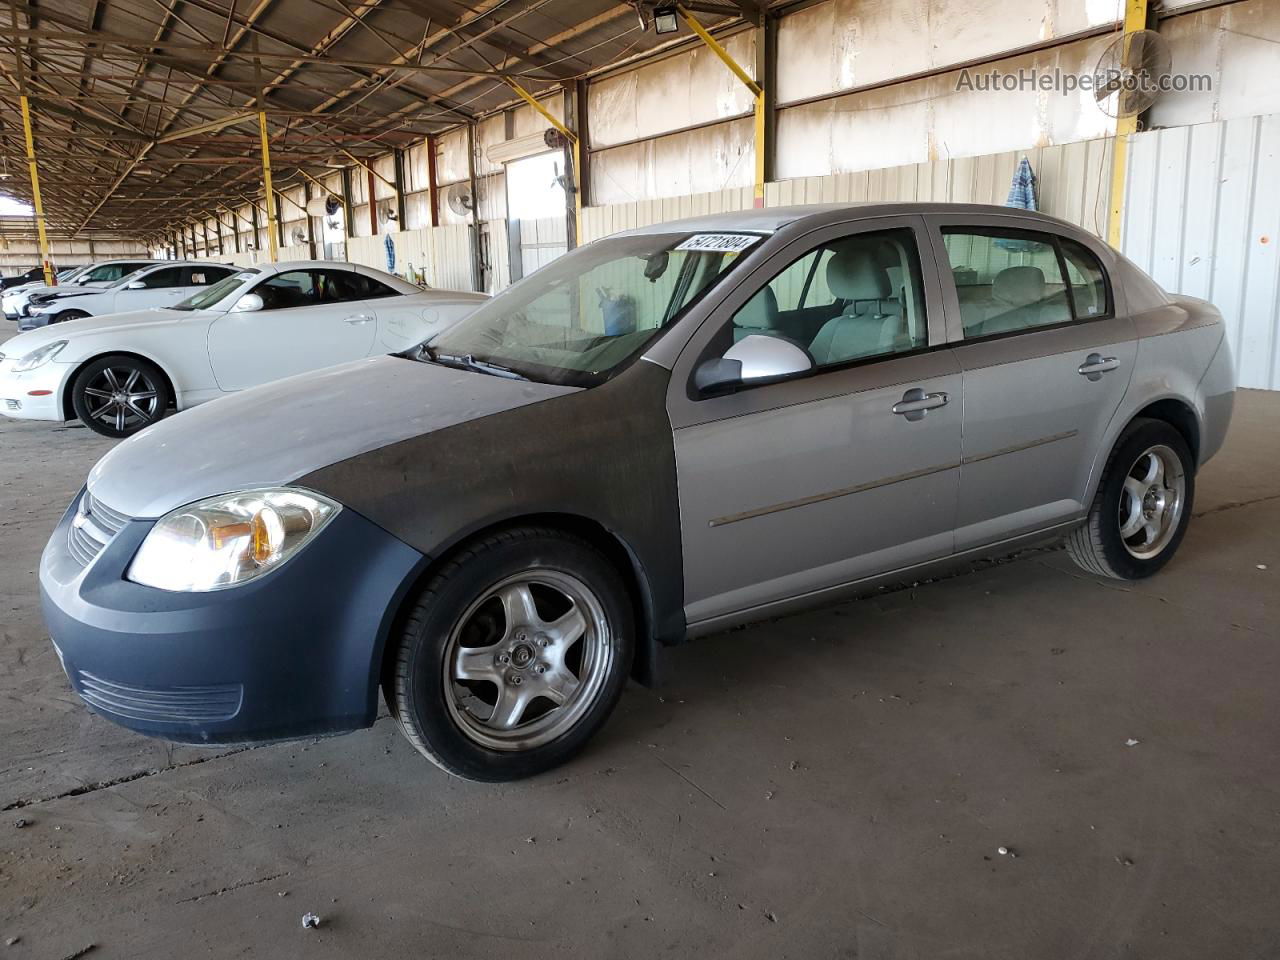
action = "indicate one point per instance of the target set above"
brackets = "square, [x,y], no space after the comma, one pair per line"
[214,294]
[584,317]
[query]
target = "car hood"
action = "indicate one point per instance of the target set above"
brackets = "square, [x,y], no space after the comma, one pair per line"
[276,433]
[71,330]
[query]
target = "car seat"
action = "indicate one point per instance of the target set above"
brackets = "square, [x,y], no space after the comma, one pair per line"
[870,321]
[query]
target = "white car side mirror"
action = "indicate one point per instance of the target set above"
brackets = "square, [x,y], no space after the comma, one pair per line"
[754,357]
[248,304]
[136,285]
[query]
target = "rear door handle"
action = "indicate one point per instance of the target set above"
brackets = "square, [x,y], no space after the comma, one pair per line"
[1095,365]
[358,318]
[915,403]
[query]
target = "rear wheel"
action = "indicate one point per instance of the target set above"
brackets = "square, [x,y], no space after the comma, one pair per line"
[117,396]
[513,655]
[1142,506]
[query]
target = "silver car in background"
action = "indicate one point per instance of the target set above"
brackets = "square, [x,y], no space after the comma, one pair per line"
[661,434]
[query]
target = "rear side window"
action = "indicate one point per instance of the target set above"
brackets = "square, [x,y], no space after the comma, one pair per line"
[1013,280]
[1088,281]
[203,276]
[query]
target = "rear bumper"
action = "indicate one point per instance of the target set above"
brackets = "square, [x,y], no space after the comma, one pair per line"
[295,653]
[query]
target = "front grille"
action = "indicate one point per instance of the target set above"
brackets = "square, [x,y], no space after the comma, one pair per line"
[94,526]
[209,704]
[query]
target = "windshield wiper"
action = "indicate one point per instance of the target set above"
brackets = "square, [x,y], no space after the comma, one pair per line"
[467,362]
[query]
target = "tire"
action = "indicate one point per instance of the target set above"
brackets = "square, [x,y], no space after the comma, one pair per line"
[1140,512]
[66,315]
[98,387]
[539,682]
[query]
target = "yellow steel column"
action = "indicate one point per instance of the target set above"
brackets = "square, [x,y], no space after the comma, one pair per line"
[1135,19]
[757,91]
[49,278]
[574,143]
[266,182]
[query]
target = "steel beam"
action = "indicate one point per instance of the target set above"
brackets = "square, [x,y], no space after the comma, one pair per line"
[1135,19]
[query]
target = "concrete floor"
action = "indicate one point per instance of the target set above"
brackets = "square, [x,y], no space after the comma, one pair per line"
[835,784]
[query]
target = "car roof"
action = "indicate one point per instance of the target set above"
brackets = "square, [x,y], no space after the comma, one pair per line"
[771,219]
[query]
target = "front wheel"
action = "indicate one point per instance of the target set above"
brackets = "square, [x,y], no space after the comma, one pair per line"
[513,655]
[66,315]
[1142,506]
[117,396]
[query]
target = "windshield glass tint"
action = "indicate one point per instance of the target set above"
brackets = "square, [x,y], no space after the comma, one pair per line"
[214,294]
[583,317]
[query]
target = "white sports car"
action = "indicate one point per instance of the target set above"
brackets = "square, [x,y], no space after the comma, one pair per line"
[121,372]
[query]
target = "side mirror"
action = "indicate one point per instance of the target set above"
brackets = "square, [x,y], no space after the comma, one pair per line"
[753,358]
[248,304]
[81,281]
[136,285]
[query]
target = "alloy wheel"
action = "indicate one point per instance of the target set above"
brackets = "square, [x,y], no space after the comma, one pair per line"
[1151,502]
[123,398]
[527,660]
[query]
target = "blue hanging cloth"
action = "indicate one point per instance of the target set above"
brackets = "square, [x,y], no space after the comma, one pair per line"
[1022,191]
[1022,194]
[391,254]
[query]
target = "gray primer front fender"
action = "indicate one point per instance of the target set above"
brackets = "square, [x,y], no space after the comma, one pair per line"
[604,455]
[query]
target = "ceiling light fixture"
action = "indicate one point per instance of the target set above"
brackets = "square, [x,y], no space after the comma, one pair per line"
[666,19]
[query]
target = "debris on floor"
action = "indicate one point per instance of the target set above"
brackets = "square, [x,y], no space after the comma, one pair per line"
[310,921]
[81,952]
[12,941]
[1132,742]
[21,822]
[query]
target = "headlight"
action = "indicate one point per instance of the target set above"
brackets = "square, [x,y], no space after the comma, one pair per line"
[38,358]
[228,540]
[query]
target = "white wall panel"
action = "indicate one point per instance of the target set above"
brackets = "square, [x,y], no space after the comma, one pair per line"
[670,94]
[852,43]
[1236,46]
[697,161]
[929,119]
[1203,218]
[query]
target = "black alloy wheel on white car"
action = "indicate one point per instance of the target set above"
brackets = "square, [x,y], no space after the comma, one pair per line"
[117,396]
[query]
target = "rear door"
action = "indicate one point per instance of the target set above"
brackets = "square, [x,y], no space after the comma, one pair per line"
[158,288]
[307,322]
[1046,360]
[795,486]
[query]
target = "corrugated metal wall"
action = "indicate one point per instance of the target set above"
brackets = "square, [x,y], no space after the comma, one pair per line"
[1203,218]
[1074,180]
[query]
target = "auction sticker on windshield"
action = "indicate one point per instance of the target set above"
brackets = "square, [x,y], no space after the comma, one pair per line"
[719,242]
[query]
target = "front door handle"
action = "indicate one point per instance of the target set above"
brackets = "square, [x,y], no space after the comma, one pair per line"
[358,318]
[915,403]
[1095,365]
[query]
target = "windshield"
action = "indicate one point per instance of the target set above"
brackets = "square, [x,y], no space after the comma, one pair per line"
[215,293]
[584,317]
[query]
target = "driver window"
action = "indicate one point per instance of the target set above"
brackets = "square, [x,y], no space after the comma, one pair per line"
[294,288]
[849,299]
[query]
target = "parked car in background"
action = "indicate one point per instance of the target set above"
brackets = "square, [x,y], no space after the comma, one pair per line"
[27,276]
[121,372]
[661,434]
[17,300]
[158,284]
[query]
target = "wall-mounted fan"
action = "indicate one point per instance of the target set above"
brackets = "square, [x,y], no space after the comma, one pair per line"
[298,236]
[386,214]
[1130,73]
[460,200]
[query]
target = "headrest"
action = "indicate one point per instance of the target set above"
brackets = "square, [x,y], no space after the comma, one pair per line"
[760,312]
[1018,286]
[895,279]
[855,274]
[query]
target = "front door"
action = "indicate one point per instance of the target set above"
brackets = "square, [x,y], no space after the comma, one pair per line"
[852,469]
[306,323]
[1046,361]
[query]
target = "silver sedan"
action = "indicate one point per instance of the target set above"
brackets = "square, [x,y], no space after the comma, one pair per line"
[659,435]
